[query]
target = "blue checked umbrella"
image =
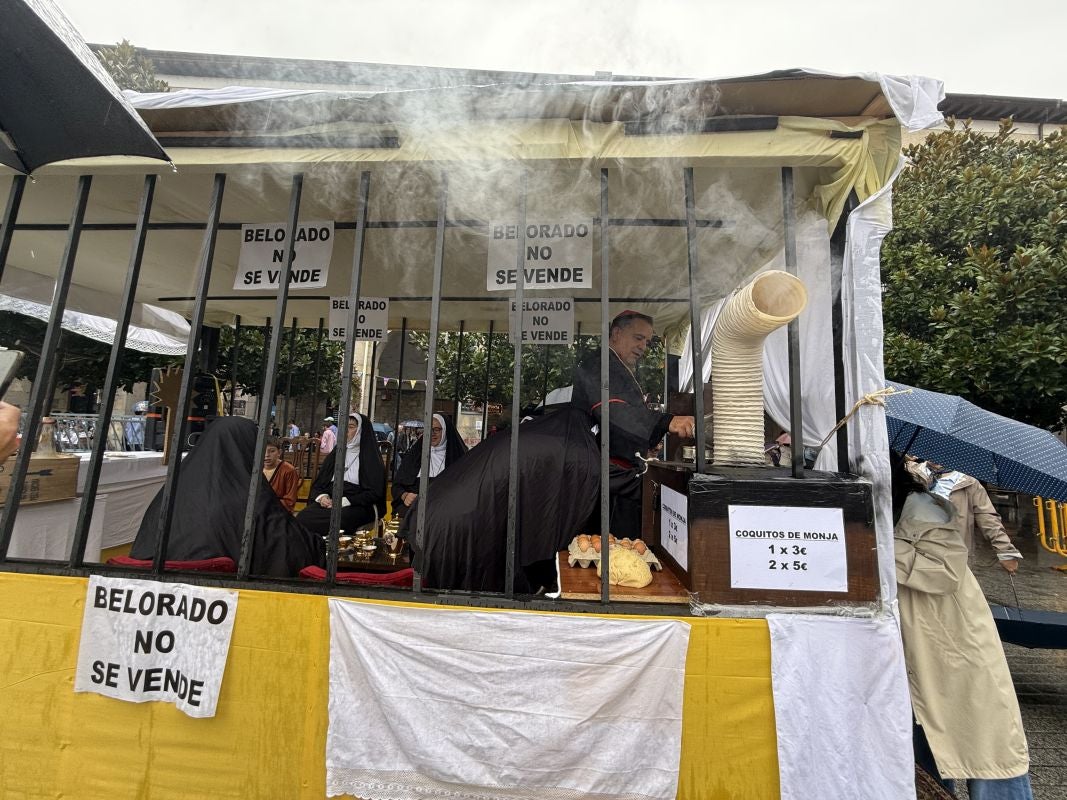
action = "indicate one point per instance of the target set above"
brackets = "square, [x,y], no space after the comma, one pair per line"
[948,430]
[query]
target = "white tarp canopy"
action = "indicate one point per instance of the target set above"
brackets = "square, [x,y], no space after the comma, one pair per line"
[89,312]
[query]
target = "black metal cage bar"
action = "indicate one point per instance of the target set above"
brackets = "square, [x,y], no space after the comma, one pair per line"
[203,281]
[516,327]
[46,366]
[488,373]
[696,336]
[796,417]
[605,395]
[11,213]
[313,416]
[234,360]
[114,364]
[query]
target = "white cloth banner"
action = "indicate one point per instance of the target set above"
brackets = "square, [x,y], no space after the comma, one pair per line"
[841,707]
[143,640]
[470,704]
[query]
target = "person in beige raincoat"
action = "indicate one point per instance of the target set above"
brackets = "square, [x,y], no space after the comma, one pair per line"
[961,690]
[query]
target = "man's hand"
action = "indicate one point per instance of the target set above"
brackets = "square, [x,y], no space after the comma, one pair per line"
[324,500]
[683,426]
[1011,565]
[408,498]
[9,428]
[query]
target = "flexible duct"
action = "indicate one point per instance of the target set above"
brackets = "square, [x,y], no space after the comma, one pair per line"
[768,301]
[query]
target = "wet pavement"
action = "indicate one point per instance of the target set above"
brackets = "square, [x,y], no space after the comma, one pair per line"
[1040,675]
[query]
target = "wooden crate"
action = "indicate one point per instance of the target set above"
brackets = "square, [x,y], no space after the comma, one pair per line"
[48,478]
[708,499]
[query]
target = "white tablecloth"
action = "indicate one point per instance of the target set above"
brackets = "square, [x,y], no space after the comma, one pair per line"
[128,482]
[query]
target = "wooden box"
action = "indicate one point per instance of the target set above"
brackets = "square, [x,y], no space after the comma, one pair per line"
[757,535]
[48,478]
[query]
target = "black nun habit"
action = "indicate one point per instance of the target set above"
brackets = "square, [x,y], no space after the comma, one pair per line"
[465,544]
[366,498]
[452,447]
[209,509]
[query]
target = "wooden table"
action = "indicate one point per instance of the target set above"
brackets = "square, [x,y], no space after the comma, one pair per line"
[582,583]
[378,561]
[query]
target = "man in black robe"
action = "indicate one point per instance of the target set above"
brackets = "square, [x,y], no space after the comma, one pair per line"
[364,482]
[635,429]
[209,509]
[465,542]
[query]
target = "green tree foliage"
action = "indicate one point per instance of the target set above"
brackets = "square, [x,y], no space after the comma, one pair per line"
[537,361]
[79,359]
[130,69]
[251,358]
[975,272]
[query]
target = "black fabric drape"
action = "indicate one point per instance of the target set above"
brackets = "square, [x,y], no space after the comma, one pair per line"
[407,476]
[467,512]
[209,509]
[366,499]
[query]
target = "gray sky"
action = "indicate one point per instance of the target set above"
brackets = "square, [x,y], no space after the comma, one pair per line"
[983,48]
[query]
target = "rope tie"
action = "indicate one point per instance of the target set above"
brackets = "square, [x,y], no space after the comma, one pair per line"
[872,399]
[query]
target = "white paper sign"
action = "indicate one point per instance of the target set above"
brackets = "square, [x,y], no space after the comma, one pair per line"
[785,547]
[547,321]
[263,249]
[674,525]
[372,323]
[143,640]
[559,255]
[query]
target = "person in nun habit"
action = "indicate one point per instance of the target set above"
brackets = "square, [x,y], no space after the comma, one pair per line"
[209,509]
[363,497]
[446,447]
[466,536]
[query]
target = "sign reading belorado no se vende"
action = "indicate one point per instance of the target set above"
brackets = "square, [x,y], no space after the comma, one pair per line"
[263,250]
[559,255]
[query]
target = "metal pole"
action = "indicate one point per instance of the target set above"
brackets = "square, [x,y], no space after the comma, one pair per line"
[315,388]
[431,368]
[264,391]
[838,242]
[605,393]
[351,316]
[488,369]
[400,369]
[372,381]
[207,256]
[456,394]
[696,336]
[289,378]
[516,393]
[233,361]
[273,351]
[796,418]
[11,212]
[45,365]
[114,364]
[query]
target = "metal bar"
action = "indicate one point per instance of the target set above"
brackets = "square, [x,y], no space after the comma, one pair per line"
[315,388]
[273,353]
[114,364]
[11,212]
[696,335]
[796,418]
[516,393]
[431,368]
[373,380]
[488,371]
[544,381]
[400,369]
[420,298]
[203,280]
[605,396]
[289,379]
[234,358]
[351,316]
[837,325]
[456,398]
[344,225]
[45,365]
[264,391]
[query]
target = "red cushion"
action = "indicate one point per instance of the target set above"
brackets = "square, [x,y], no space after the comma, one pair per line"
[221,564]
[403,577]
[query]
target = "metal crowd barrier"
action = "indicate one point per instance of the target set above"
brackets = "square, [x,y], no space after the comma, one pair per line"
[1053,535]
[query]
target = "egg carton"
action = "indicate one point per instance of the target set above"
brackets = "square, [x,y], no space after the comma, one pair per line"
[590,557]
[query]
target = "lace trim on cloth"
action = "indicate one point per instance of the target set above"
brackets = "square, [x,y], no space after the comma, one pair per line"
[376,785]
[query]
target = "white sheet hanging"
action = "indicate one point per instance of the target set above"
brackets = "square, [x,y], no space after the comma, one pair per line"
[468,704]
[841,708]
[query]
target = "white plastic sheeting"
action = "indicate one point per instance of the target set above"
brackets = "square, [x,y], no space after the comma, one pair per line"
[152,329]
